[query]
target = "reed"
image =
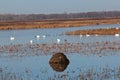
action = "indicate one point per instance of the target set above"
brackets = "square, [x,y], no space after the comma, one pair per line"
[9,25]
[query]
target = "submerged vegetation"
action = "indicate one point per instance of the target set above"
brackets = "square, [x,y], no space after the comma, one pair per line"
[94,48]
[102,73]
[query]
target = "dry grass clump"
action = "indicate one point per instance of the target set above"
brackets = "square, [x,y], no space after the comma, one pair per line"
[111,31]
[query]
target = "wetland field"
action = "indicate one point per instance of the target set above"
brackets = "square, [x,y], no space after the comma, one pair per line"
[93,50]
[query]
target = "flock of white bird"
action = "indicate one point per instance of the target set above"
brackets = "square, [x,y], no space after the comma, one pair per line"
[87,35]
[12,38]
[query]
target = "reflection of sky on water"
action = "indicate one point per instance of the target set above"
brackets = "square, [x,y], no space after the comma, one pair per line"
[24,36]
[93,61]
[39,65]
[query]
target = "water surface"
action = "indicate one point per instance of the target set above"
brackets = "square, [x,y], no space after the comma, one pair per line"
[37,67]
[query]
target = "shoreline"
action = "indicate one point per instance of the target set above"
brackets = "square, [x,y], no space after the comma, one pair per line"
[58,23]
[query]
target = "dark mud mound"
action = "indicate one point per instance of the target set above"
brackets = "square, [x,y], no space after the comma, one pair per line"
[59,62]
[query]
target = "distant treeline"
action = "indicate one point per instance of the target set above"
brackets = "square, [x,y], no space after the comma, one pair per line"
[37,17]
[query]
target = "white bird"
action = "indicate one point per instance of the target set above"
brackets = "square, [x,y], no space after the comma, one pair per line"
[117,34]
[87,35]
[31,41]
[58,41]
[12,38]
[81,35]
[117,28]
[96,34]
[37,36]
[44,36]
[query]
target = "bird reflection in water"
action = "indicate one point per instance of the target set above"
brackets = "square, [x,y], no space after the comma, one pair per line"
[59,62]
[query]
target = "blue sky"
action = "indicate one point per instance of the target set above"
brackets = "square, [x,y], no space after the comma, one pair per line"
[56,6]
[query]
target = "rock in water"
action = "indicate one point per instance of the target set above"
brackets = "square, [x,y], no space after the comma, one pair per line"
[59,62]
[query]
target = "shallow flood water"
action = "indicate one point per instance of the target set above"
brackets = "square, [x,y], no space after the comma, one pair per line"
[81,66]
[51,35]
[38,68]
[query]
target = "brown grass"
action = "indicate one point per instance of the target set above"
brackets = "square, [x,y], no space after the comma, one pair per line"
[56,23]
[111,31]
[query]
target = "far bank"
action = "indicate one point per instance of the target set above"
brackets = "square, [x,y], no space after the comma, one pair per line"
[56,23]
